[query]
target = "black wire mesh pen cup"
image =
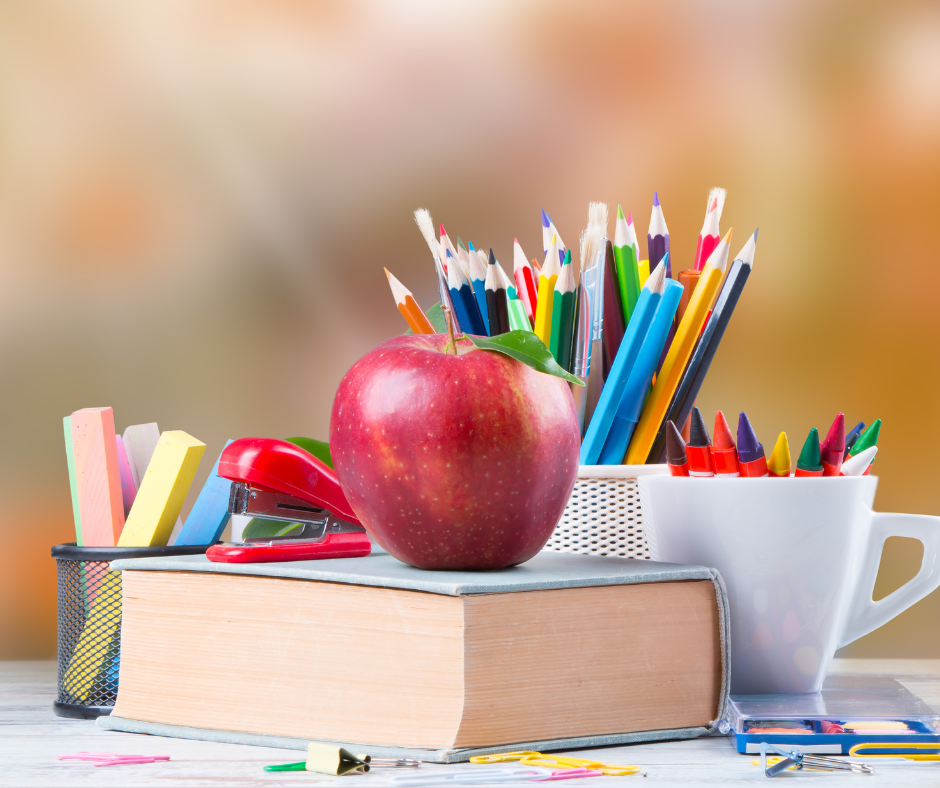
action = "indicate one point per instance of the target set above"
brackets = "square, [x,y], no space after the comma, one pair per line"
[89,625]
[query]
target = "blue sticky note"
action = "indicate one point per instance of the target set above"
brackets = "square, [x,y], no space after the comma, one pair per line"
[210,512]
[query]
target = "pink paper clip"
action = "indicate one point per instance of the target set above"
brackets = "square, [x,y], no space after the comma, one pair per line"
[572,774]
[112,758]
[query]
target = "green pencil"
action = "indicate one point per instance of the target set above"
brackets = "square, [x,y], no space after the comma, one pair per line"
[626,256]
[563,307]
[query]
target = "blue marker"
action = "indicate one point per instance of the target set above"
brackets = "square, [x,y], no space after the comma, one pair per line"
[638,384]
[624,361]
[209,515]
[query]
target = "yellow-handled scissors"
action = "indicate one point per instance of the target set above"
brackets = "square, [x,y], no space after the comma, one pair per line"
[856,751]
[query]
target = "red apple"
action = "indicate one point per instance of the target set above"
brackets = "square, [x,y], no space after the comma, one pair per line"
[454,461]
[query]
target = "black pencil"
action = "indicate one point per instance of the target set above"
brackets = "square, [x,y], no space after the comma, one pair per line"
[497,306]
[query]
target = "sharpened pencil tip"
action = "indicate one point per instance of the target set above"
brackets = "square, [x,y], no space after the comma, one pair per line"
[755,233]
[471,246]
[630,218]
[546,221]
[515,240]
[388,274]
[448,253]
[655,199]
[619,212]
[492,257]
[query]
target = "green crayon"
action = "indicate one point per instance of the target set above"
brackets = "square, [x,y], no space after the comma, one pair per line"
[810,462]
[868,438]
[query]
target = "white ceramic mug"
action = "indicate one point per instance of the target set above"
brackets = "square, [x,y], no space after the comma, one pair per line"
[799,558]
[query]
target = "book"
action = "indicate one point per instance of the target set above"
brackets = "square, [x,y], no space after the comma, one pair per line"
[564,648]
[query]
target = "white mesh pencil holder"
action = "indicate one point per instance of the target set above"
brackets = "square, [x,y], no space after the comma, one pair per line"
[604,515]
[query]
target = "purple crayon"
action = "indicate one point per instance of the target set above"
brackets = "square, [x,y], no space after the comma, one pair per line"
[751,460]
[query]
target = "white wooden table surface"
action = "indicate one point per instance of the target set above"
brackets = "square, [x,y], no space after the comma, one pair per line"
[31,736]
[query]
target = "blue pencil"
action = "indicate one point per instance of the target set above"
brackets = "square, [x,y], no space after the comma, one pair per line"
[461,293]
[611,394]
[638,385]
[478,282]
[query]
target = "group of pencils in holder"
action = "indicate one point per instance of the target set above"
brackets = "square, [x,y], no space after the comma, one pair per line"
[840,454]
[641,341]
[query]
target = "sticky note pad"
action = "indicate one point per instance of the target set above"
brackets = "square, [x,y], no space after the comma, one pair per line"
[97,476]
[73,482]
[209,514]
[128,487]
[162,490]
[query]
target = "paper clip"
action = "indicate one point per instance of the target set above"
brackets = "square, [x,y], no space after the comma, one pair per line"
[494,776]
[112,758]
[796,759]
[529,758]
[856,751]
[503,756]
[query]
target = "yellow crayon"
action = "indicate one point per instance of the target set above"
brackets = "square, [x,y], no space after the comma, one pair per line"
[778,464]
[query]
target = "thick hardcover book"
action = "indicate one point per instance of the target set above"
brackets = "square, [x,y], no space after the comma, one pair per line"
[565,651]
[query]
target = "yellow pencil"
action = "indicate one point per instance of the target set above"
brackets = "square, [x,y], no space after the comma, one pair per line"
[690,327]
[643,267]
[543,311]
[410,310]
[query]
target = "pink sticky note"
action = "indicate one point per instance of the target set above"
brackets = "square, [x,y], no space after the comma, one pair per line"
[98,476]
[128,488]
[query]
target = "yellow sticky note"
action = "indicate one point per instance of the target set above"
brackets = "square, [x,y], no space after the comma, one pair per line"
[162,490]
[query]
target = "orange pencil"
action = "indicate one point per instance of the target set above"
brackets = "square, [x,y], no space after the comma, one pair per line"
[417,321]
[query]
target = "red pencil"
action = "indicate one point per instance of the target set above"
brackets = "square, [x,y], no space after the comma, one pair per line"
[526,286]
[709,237]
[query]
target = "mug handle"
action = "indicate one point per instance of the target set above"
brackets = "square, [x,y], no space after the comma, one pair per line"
[866,615]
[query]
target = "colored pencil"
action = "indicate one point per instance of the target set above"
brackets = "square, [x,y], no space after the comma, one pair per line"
[614,321]
[638,384]
[624,362]
[537,270]
[563,314]
[508,283]
[658,238]
[518,320]
[417,321]
[694,375]
[678,355]
[525,280]
[709,237]
[644,269]
[548,232]
[426,226]
[550,271]
[465,303]
[478,282]
[626,259]
[496,299]
[446,245]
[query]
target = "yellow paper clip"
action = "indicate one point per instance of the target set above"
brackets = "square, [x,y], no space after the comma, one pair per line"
[564,762]
[856,751]
[503,756]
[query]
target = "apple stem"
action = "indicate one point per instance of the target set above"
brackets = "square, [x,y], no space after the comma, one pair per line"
[450,329]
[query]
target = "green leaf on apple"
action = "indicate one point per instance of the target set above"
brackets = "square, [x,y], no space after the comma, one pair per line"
[526,347]
[319,449]
[436,316]
[259,528]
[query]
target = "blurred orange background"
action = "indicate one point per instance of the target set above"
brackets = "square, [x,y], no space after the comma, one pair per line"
[197,199]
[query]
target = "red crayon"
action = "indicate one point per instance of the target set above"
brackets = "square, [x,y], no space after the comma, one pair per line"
[724,453]
[698,447]
[832,449]
[751,459]
[676,457]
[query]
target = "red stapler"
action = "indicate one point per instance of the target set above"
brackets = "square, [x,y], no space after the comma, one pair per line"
[277,480]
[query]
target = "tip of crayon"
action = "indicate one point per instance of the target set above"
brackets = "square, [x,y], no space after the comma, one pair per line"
[546,222]
[779,462]
[698,432]
[749,448]
[869,437]
[835,439]
[655,199]
[810,455]
[619,212]
[492,257]
[675,446]
[721,438]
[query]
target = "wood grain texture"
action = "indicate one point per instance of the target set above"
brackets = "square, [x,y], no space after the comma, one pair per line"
[163,490]
[31,736]
[98,476]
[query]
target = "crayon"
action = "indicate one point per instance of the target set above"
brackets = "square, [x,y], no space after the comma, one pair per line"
[478,282]
[525,280]
[724,453]
[779,463]
[810,460]
[832,449]
[497,305]
[698,447]
[851,437]
[614,321]
[709,237]
[751,459]
[676,457]
[658,238]
[868,438]
[625,249]
[860,464]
